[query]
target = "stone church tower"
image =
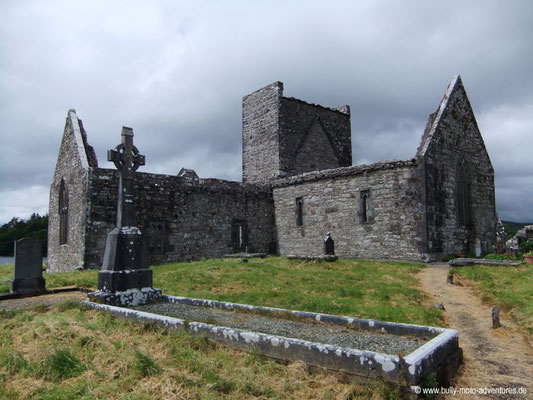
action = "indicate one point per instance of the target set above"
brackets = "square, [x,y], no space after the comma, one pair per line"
[284,136]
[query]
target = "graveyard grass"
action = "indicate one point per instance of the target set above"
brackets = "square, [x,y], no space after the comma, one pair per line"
[508,287]
[112,358]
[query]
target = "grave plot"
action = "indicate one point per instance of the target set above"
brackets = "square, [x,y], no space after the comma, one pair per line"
[398,353]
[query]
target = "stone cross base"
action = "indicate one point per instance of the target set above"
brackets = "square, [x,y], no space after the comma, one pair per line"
[119,281]
[27,285]
[127,298]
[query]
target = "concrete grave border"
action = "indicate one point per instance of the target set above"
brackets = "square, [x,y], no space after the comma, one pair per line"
[441,355]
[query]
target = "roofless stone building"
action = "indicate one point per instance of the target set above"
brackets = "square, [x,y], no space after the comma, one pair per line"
[298,184]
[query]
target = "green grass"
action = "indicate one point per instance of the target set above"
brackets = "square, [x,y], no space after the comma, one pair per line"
[77,353]
[145,365]
[366,289]
[511,288]
[6,274]
[68,351]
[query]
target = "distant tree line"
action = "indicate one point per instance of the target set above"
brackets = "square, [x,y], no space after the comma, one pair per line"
[512,227]
[18,228]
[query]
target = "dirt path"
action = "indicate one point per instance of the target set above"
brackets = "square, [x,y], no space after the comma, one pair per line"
[493,358]
[46,300]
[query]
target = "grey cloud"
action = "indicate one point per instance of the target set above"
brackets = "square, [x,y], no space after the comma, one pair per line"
[176,73]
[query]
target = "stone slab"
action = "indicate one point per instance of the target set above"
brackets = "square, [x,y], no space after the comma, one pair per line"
[28,276]
[246,255]
[323,257]
[440,355]
[462,262]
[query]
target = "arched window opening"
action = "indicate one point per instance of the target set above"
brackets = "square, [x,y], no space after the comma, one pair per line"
[366,211]
[364,207]
[464,216]
[63,213]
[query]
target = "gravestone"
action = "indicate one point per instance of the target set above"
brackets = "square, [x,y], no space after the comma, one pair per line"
[125,278]
[329,245]
[478,248]
[28,275]
[495,314]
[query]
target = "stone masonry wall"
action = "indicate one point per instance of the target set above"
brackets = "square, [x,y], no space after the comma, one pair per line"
[284,136]
[332,203]
[260,134]
[182,219]
[313,137]
[452,145]
[75,161]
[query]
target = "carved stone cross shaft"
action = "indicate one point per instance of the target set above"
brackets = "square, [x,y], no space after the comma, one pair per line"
[127,159]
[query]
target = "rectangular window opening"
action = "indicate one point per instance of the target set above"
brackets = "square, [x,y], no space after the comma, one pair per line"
[299,211]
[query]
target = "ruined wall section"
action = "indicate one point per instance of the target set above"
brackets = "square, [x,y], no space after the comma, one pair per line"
[181,218]
[75,162]
[332,202]
[284,136]
[313,137]
[452,145]
[260,134]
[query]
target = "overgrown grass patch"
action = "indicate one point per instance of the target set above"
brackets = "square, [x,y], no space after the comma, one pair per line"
[131,360]
[511,288]
[118,359]
[6,274]
[145,365]
[59,365]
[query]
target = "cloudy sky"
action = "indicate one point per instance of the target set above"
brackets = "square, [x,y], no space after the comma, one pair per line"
[176,72]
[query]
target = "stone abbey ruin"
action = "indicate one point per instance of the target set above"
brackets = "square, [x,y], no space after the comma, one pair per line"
[298,183]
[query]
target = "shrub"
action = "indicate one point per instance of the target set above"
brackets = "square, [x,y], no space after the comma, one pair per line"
[506,256]
[526,247]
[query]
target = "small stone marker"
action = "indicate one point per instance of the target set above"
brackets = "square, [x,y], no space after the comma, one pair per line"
[28,267]
[495,313]
[329,245]
[479,248]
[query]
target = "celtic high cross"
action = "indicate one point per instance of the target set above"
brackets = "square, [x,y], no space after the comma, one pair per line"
[125,278]
[127,159]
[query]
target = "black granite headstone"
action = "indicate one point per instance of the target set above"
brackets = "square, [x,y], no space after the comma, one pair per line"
[28,275]
[329,245]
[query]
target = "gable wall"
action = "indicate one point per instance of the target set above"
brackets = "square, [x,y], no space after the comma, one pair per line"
[452,135]
[331,204]
[74,167]
[297,153]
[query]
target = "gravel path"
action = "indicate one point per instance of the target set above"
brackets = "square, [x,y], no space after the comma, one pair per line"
[298,329]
